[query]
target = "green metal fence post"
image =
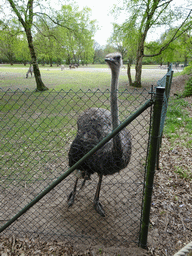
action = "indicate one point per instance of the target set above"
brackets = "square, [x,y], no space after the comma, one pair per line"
[151,162]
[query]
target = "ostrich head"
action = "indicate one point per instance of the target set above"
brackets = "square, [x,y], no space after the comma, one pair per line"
[114,60]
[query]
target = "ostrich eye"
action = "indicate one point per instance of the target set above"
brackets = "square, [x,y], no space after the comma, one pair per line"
[117,58]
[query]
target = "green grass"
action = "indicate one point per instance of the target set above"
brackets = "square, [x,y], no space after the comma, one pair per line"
[183,173]
[178,118]
[37,129]
[53,78]
[90,77]
[178,128]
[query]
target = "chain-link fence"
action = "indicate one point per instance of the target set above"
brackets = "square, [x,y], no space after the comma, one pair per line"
[165,82]
[37,130]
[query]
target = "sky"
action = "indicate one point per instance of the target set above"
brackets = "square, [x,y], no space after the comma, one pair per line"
[101,12]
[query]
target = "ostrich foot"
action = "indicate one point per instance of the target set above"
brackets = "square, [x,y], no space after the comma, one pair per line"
[99,208]
[71,199]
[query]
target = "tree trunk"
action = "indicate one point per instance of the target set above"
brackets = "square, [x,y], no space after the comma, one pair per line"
[138,69]
[139,58]
[129,73]
[51,62]
[185,61]
[138,66]
[37,74]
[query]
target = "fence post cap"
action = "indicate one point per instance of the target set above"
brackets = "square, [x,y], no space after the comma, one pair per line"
[159,88]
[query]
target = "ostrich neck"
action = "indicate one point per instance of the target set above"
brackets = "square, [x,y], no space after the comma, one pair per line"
[114,98]
[117,146]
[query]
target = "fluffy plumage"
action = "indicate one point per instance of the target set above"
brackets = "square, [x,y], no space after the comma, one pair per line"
[92,126]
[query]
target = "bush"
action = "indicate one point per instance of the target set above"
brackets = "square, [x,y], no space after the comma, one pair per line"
[188,70]
[188,88]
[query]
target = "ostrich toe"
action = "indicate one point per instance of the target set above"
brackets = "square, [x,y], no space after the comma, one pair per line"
[99,208]
[71,199]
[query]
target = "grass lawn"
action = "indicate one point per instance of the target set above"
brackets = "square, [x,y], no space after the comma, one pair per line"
[90,77]
[37,128]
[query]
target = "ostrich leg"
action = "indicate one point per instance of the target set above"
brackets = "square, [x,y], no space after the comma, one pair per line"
[71,196]
[86,177]
[98,207]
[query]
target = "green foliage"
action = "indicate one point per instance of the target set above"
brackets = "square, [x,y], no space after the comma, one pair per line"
[188,70]
[144,16]
[127,45]
[147,15]
[177,118]
[76,42]
[58,36]
[10,38]
[183,173]
[188,88]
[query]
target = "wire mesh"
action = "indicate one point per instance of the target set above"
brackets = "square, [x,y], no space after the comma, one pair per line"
[166,83]
[37,130]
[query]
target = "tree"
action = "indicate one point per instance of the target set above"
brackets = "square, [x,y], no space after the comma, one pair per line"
[8,43]
[25,15]
[22,50]
[146,15]
[69,36]
[179,51]
[44,41]
[184,47]
[125,44]
[78,39]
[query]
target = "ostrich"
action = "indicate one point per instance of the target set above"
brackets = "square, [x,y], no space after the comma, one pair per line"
[30,70]
[93,125]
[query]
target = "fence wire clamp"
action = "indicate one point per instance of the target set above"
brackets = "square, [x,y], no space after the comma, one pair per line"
[150,187]
[156,137]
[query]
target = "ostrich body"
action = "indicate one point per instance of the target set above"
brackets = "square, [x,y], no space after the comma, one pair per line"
[30,70]
[93,125]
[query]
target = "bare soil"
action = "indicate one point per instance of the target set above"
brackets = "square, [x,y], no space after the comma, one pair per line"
[171,222]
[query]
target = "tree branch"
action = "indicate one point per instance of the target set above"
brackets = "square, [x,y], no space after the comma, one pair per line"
[174,37]
[55,22]
[30,8]
[48,36]
[17,12]
[165,3]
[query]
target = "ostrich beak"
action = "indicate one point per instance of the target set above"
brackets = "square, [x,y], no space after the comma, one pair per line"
[108,59]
